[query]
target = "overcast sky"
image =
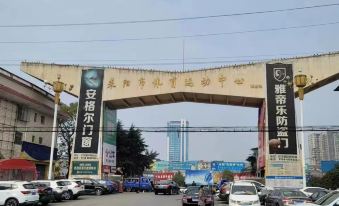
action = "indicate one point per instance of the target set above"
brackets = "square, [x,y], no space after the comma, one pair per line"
[321,106]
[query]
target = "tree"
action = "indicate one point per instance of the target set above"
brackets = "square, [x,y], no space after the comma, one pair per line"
[179,178]
[226,174]
[331,179]
[252,159]
[132,153]
[66,133]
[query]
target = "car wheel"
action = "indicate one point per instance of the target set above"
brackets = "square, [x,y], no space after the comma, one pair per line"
[75,197]
[12,202]
[128,189]
[66,195]
[98,191]
[156,192]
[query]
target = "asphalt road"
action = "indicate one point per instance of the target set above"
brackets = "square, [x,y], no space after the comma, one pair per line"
[127,199]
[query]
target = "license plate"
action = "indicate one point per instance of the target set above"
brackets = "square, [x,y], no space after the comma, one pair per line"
[33,193]
[195,200]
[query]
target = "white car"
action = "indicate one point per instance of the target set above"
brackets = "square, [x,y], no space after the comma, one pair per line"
[330,199]
[243,193]
[60,190]
[14,193]
[75,188]
[308,191]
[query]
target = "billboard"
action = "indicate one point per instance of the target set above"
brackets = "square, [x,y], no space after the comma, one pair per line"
[280,108]
[200,177]
[283,162]
[109,140]
[235,167]
[188,165]
[328,165]
[85,154]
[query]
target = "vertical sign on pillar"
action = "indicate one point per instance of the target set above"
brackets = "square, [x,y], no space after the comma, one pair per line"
[109,141]
[85,160]
[284,167]
[261,137]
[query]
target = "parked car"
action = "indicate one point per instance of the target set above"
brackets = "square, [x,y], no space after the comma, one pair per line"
[109,184]
[331,199]
[45,193]
[75,189]
[263,194]
[92,186]
[166,187]
[243,193]
[286,196]
[317,195]
[134,184]
[14,193]
[225,191]
[191,196]
[60,190]
[308,191]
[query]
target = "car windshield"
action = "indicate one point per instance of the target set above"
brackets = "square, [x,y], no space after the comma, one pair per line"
[60,183]
[293,193]
[243,190]
[164,182]
[28,186]
[192,190]
[327,199]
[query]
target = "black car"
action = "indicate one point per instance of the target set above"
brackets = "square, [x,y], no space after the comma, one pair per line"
[166,187]
[282,197]
[92,186]
[263,193]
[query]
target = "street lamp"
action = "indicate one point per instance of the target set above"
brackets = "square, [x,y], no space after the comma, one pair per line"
[300,81]
[58,87]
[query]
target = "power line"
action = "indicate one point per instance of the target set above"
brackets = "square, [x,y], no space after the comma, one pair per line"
[169,37]
[169,59]
[184,129]
[169,19]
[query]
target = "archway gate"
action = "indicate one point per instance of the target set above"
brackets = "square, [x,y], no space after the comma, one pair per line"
[265,85]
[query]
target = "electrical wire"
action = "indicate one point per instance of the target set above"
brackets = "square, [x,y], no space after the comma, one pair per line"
[169,37]
[170,19]
[184,129]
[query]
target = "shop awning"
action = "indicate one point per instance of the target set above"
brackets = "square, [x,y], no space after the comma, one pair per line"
[17,164]
[36,152]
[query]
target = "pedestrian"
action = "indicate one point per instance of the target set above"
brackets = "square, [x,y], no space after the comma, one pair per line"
[201,196]
[194,184]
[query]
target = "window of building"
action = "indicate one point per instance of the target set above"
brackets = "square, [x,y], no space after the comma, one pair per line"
[40,140]
[42,119]
[35,116]
[33,138]
[18,138]
[22,113]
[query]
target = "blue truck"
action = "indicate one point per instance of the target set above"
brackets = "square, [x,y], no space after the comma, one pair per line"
[137,184]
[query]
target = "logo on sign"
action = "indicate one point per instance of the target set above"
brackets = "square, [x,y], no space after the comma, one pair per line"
[279,74]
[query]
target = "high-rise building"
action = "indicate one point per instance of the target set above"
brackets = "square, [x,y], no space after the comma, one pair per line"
[177,141]
[323,146]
